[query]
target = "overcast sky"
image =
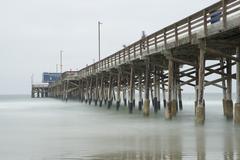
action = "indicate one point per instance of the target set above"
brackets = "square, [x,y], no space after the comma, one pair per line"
[33,31]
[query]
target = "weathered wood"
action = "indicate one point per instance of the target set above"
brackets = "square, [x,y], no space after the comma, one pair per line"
[224,13]
[154,97]
[163,90]
[96,91]
[101,92]
[168,110]
[90,91]
[146,110]
[237,104]
[124,95]
[238,76]
[179,92]
[118,89]
[219,53]
[200,109]
[130,103]
[229,102]
[140,103]
[158,91]
[110,91]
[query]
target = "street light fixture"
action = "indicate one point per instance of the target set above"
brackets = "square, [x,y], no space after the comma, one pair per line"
[99,40]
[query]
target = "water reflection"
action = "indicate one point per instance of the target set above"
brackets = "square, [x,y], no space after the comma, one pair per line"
[200,143]
[53,130]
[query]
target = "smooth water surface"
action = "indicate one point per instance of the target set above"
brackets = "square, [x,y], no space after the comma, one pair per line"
[50,129]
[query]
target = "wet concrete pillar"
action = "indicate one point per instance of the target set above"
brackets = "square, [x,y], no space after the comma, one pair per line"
[146,105]
[229,102]
[237,104]
[200,109]
[140,102]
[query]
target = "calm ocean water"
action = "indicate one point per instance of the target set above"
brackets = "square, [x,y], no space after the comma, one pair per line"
[50,129]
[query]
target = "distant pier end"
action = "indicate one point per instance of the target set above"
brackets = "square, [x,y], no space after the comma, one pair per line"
[41,89]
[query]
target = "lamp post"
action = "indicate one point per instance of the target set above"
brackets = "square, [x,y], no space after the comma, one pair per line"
[99,40]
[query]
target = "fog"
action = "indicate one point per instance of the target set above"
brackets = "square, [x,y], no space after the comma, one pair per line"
[33,32]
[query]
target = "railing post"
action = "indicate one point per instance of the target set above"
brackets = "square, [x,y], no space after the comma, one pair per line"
[147,45]
[165,38]
[176,35]
[119,56]
[189,29]
[224,14]
[155,42]
[124,52]
[128,51]
[140,48]
[134,50]
[205,23]
[115,56]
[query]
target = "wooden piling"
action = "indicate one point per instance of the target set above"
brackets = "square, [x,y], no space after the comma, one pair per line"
[229,102]
[168,110]
[155,90]
[163,89]
[110,91]
[96,91]
[101,91]
[174,91]
[237,104]
[90,91]
[200,109]
[124,95]
[118,90]
[158,90]
[179,90]
[224,100]
[146,107]
[131,79]
[140,102]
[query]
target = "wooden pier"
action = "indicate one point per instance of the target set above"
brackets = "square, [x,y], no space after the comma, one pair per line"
[39,90]
[158,65]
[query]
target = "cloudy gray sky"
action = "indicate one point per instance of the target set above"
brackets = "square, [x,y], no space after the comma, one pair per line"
[33,31]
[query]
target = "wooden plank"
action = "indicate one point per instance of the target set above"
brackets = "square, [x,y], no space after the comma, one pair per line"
[219,53]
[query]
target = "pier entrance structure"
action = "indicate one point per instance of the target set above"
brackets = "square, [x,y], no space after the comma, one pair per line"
[154,64]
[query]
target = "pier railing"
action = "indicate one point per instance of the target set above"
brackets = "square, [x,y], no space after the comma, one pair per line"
[172,33]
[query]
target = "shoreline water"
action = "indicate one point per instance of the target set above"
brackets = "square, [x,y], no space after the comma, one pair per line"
[52,129]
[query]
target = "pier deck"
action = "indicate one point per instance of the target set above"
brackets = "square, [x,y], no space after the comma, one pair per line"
[163,62]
